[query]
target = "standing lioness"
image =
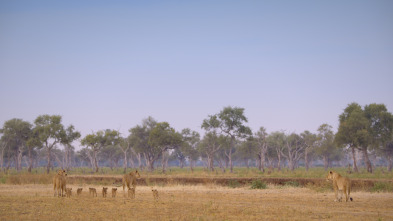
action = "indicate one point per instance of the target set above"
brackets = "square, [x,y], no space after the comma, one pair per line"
[130,178]
[340,183]
[59,182]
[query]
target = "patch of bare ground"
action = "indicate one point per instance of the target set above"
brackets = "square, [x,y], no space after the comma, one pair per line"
[191,202]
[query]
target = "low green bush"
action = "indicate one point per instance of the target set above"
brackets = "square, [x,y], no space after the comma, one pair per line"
[382,187]
[258,184]
[234,183]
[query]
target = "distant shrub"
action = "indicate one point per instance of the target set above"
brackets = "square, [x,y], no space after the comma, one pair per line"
[258,184]
[382,187]
[234,183]
[292,183]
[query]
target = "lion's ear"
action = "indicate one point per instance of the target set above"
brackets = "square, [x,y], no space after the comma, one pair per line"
[330,172]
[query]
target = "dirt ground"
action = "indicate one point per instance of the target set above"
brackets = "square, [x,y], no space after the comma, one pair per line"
[36,202]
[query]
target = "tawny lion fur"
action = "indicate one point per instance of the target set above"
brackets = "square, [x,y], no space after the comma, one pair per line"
[114,192]
[104,191]
[92,191]
[340,183]
[59,183]
[130,178]
[79,191]
[68,192]
[131,193]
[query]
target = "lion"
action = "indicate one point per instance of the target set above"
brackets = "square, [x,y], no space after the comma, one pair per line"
[68,192]
[114,192]
[79,191]
[155,194]
[130,178]
[93,191]
[340,183]
[104,191]
[131,193]
[59,183]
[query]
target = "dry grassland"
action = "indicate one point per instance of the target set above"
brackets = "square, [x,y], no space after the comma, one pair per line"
[36,202]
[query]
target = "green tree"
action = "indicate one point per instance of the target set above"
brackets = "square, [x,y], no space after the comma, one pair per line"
[125,147]
[310,143]
[162,138]
[111,148]
[96,142]
[247,150]
[276,141]
[189,146]
[32,143]
[16,133]
[262,147]
[230,121]
[380,127]
[294,149]
[50,132]
[139,138]
[70,135]
[353,132]
[387,151]
[326,147]
[209,145]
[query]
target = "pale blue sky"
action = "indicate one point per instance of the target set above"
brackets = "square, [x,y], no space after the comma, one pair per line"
[292,65]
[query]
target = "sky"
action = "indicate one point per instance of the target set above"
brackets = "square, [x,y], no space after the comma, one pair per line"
[292,65]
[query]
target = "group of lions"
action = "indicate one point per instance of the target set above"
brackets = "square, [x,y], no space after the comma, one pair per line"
[340,184]
[59,185]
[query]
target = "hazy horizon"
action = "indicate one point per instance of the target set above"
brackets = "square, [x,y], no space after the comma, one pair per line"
[293,65]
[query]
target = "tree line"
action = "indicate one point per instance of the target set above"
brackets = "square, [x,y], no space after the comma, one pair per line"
[227,141]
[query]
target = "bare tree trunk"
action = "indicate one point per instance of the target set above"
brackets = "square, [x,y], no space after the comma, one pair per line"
[247,161]
[149,163]
[2,158]
[59,161]
[390,163]
[230,161]
[19,159]
[263,160]
[139,157]
[125,161]
[306,159]
[221,165]
[325,162]
[355,167]
[367,160]
[48,158]
[95,161]
[210,162]
[191,166]
[279,162]
[30,160]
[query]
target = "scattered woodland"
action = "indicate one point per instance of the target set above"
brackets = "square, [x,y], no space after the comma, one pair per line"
[364,138]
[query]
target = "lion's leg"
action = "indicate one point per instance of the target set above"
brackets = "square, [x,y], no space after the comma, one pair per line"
[346,193]
[341,195]
[336,194]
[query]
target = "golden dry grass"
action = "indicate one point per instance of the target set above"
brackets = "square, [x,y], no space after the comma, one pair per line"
[36,202]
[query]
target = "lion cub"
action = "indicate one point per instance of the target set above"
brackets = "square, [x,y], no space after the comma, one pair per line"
[79,191]
[155,194]
[114,192]
[340,183]
[93,191]
[104,191]
[68,192]
[131,193]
